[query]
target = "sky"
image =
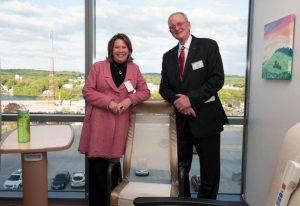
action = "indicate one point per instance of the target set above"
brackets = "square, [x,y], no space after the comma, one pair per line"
[278,34]
[25,26]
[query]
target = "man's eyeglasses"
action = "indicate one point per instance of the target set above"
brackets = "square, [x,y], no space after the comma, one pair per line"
[179,24]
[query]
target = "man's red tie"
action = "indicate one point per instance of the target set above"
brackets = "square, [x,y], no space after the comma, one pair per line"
[181,61]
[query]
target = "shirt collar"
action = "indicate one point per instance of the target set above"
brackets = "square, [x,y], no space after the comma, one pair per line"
[187,43]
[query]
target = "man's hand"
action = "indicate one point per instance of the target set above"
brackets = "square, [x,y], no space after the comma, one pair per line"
[124,105]
[182,103]
[189,111]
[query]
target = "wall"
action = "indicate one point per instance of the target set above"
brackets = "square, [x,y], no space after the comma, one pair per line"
[274,105]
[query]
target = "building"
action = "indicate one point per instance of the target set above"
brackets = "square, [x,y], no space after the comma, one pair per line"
[18,78]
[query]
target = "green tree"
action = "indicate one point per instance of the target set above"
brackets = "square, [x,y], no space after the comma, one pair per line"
[65,110]
[10,83]
[156,96]
[60,81]
[42,84]
[25,89]
[4,79]
[65,94]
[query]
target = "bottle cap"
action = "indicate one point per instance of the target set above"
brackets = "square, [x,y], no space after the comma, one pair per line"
[22,109]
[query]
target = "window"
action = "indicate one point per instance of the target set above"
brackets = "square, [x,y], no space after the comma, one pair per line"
[145,22]
[27,51]
[42,67]
[64,163]
[42,55]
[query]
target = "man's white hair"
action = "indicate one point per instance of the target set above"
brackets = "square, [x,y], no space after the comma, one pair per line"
[183,14]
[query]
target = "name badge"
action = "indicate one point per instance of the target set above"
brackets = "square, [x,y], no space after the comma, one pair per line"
[197,65]
[128,86]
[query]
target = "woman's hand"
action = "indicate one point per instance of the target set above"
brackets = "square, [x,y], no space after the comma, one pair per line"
[123,106]
[114,107]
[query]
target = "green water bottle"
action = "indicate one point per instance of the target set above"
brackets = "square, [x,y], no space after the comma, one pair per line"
[23,125]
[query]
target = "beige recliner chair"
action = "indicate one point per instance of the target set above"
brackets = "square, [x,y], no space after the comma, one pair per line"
[151,146]
[290,150]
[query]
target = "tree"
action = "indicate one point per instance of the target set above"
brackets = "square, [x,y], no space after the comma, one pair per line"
[65,94]
[10,83]
[11,108]
[4,79]
[156,96]
[60,81]
[65,110]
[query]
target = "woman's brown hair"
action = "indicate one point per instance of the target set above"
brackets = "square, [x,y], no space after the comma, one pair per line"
[110,46]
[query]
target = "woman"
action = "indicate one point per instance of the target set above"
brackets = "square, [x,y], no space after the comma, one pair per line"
[112,88]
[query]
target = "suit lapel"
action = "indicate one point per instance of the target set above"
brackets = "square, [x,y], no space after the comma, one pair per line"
[129,74]
[192,51]
[108,77]
[175,63]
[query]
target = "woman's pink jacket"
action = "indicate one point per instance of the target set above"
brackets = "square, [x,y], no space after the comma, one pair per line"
[103,132]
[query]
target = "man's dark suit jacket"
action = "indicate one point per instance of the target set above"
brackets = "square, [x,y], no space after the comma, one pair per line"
[200,84]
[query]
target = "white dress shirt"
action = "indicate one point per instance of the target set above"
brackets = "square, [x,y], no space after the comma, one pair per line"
[186,49]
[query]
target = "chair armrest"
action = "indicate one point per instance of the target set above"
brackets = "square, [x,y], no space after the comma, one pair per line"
[112,163]
[147,201]
[182,170]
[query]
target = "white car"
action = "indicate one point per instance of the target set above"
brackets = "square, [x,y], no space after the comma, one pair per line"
[141,172]
[14,182]
[78,179]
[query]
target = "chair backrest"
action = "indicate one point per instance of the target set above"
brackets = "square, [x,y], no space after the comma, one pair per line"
[152,142]
[290,150]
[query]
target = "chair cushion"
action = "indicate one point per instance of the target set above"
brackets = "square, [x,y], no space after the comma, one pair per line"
[140,189]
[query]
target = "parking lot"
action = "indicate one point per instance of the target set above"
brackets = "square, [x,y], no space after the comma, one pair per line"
[71,160]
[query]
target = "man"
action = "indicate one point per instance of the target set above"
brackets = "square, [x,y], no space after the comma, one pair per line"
[192,74]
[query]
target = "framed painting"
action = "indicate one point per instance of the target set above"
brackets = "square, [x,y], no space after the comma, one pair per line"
[278,48]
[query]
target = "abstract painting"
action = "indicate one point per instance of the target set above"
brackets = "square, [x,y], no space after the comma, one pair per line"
[278,49]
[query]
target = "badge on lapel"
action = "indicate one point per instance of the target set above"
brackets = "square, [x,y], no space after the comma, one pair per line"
[197,65]
[128,86]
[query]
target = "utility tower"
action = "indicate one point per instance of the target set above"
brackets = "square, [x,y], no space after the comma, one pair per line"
[51,96]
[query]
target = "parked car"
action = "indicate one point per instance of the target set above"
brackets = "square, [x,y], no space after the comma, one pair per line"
[78,179]
[141,172]
[61,180]
[196,181]
[14,182]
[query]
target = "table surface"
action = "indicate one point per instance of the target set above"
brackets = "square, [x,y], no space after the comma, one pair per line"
[44,138]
